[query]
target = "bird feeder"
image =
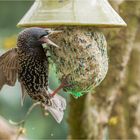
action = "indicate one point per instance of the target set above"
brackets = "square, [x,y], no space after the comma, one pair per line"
[82,55]
[47,13]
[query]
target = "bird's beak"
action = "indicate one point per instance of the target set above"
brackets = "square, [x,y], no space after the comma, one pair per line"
[46,39]
[54,32]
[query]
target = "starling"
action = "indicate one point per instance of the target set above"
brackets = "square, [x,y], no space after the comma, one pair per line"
[29,64]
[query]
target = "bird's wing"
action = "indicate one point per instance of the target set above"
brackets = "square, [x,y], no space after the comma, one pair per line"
[8,68]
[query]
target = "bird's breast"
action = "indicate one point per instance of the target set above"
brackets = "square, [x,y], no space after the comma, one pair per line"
[33,71]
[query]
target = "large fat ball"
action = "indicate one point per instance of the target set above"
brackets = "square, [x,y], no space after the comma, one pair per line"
[82,57]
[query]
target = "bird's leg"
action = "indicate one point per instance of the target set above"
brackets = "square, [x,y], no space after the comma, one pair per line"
[62,85]
[59,88]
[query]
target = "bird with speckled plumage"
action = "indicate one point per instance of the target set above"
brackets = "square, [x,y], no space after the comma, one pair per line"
[29,64]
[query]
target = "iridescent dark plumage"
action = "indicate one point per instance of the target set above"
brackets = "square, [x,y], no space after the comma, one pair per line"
[33,63]
[29,64]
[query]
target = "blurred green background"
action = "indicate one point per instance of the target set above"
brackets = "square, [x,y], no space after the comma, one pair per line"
[112,112]
[37,125]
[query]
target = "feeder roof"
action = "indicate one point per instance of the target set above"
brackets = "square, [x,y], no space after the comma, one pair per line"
[46,13]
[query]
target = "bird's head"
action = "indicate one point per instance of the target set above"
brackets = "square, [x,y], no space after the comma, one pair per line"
[35,36]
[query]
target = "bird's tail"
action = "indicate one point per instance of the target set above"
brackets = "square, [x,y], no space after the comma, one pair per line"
[57,107]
